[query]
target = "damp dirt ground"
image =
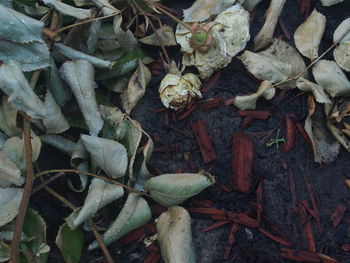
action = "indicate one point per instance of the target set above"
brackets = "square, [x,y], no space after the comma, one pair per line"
[269,163]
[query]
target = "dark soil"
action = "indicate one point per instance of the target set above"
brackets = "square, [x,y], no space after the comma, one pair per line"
[222,122]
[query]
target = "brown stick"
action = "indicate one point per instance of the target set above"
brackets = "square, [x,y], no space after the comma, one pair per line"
[101,243]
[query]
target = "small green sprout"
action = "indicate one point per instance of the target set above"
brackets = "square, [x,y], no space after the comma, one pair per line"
[276,140]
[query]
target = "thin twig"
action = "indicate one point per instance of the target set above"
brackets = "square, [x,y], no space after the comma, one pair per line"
[45,183]
[99,239]
[60,197]
[26,190]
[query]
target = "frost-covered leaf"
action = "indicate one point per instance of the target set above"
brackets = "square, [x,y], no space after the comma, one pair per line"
[175,236]
[79,75]
[165,34]
[8,118]
[9,172]
[61,143]
[75,54]
[100,194]
[328,74]
[324,146]
[18,27]
[173,189]
[249,5]
[135,213]
[248,102]
[10,199]
[65,9]
[265,35]
[126,39]
[70,242]
[136,87]
[110,155]
[317,90]
[54,120]
[330,2]
[202,9]
[308,35]
[31,56]
[16,86]
[277,63]
[14,149]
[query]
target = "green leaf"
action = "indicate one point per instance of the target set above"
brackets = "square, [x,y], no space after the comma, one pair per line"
[175,236]
[173,189]
[10,199]
[16,86]
[110,155]
[65,9]
[79,75]
[134,214]
[70,242]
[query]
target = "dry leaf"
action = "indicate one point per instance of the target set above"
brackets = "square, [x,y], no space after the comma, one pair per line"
[341,53]
[308,35]
[330,2]
[339,135]
[265,35]
[165,34]
[317,90]
[249,5]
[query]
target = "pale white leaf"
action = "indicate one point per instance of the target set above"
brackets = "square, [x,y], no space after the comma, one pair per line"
[54,120]
[126,39]
[135,213]
[100,194]
[136,87]
[317,90]
[65,9]
[330,2]
[248,102]
[308,35]
[165,34]
[84,179]
[105,5]
[75,54]
[9,171]
[202,9]
[13,148]
[342,33]
[265,35]
[110,155]
[8,118]
[79,75]
[329,75]
[341,55]
[10,199]
[175,236]
[61,143]
[37,11]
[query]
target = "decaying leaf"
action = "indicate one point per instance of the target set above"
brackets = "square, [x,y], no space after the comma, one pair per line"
[330,2]
[8,118]
[164,34]
[265,35]
[13,148]
[16,86]
[317,90]
[10,199]
[308,35]
[54,120]
[328,74]
[230,32]
[134,214]
[342,33]
[126,39]
[175,236]
[173,189]
[9,173]
[341,53]
[339,135]
[79,75]
[65,9]
[136,87]
[277,63]
[100,194]
[248,102]
[5,252]
[111,115]
[324,146]
[107,8]
[70,243]
[202,9]
[110,155]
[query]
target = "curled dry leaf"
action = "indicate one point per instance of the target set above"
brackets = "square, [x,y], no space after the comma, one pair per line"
[339,135]
[126,39]
[277,63]
[330,2]
[100,194]
[175,236]
[136,87]
[61,143]
[164,34]
[79,75]
[8,118]
[135,213]
[9,173]
[16,86]
[177,91]
[265,35]
[341,53]
[110,155]
[249,5]
[248,102]
[173,189]
[65,9]
[10,199]
[329,75]
[230,33]
[317,90]
[308,35]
